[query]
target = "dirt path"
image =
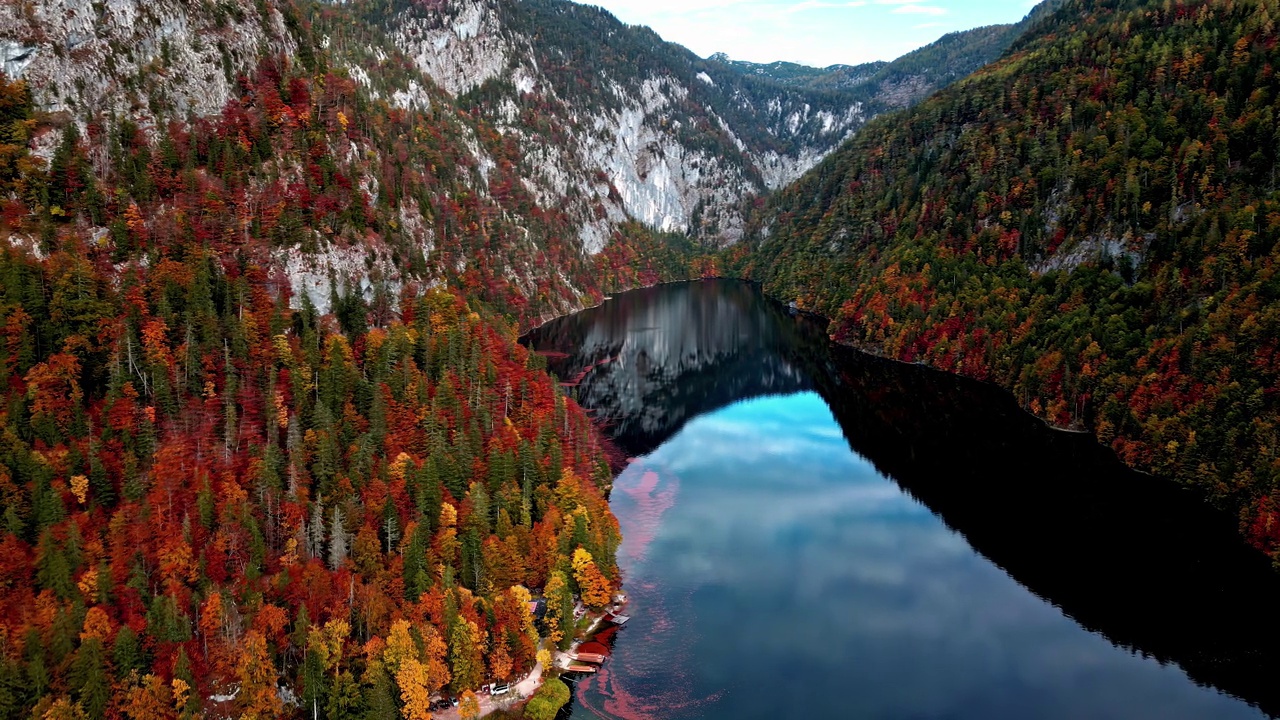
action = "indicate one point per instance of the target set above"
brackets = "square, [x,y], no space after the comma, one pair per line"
[520,692]
[526,687]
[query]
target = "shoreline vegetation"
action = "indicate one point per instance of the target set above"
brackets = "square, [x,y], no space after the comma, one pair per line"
[540,694]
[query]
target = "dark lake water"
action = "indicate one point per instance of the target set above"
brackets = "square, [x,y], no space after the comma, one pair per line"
[810,532]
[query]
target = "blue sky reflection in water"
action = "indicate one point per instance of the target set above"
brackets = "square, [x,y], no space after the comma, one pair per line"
[775,573]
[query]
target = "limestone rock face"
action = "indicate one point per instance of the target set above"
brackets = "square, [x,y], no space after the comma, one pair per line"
[136,57]
[670,140]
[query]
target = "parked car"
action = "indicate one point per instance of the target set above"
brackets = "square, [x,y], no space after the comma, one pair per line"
[500,689]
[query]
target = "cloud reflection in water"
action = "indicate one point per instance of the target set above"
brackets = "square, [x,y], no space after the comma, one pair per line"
[775,573]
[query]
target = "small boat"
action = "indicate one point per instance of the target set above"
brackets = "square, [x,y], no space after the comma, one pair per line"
[580,669]
[616,619]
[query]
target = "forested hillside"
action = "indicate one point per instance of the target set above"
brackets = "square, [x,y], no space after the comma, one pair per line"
[257,452]
[1091,222]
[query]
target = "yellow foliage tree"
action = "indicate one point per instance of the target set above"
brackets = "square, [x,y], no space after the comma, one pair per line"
[64,709]
[400,646]
[259,698]
[593,584]
[88,583]
[80,488]
[417,677]
[150,699]
[334,636]
[398,467]
[568,491]
[180,692]
[522,596]
[555,590]
[415,689]
[469,706]
[327,643]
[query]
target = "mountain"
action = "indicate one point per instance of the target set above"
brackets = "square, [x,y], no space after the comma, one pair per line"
[626,125]
[579,139]
[614,122]
[789,73]
[1091,222]
[401,186]
[909,79]
[918,74]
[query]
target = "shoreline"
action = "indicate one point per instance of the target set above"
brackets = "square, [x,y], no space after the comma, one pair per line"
[865,350]
[524,331]
[525,688]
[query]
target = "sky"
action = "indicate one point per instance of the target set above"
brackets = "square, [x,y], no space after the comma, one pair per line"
[811,32]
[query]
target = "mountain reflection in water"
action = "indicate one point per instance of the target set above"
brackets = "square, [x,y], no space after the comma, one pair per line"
[1132,558]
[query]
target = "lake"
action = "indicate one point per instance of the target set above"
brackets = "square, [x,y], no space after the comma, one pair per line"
[811,532]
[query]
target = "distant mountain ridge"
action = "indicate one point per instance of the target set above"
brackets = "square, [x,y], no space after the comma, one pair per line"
[790,73]
[910,78]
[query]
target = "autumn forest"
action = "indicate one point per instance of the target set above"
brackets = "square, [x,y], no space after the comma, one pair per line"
[235,482]
[208,484]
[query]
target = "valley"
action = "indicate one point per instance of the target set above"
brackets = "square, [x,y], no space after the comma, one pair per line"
[272,444]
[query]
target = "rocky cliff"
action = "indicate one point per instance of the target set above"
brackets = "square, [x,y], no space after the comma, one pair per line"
[615,122]
[135,57]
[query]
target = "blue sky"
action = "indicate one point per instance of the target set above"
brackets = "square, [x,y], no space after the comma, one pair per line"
[813,32]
